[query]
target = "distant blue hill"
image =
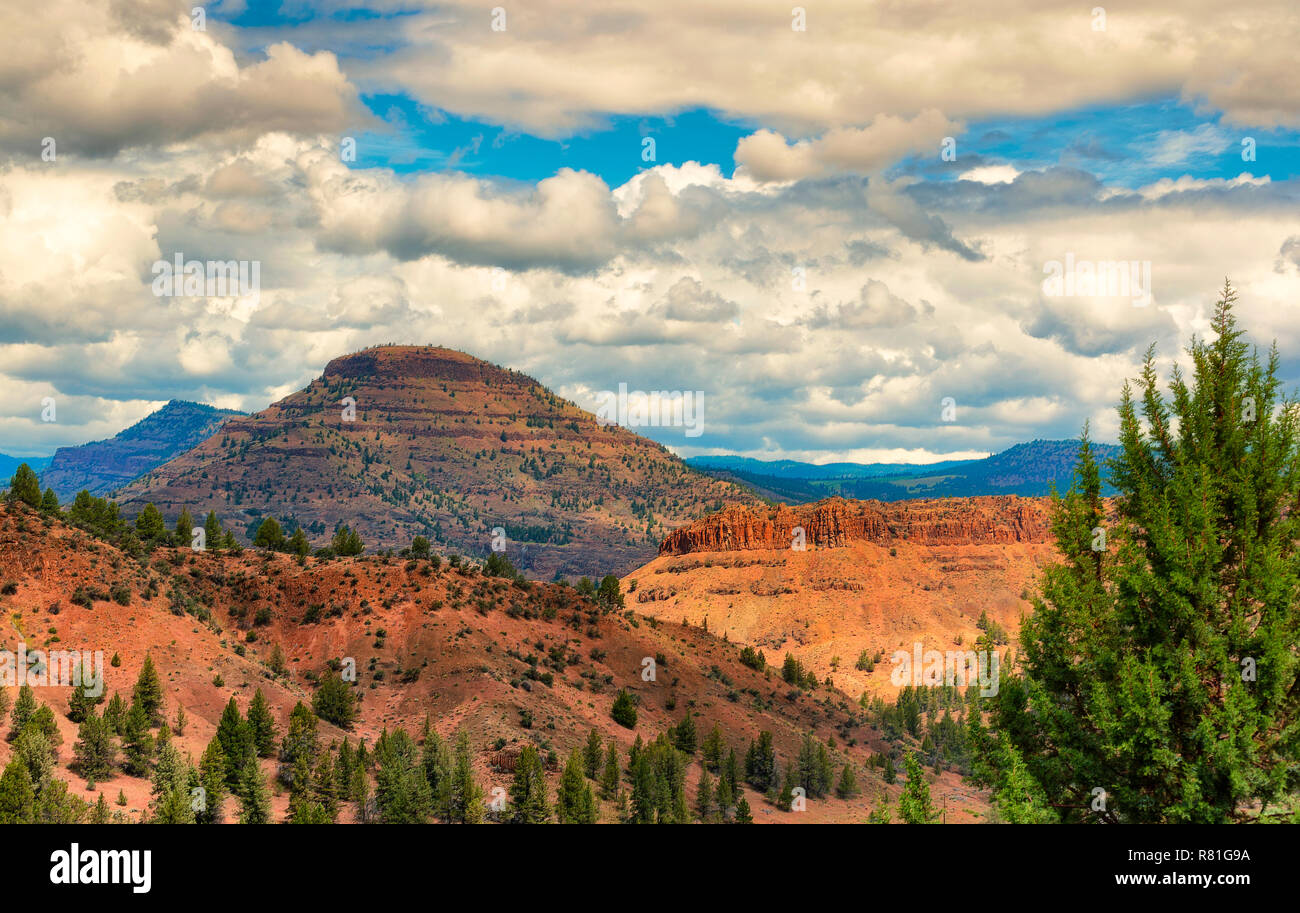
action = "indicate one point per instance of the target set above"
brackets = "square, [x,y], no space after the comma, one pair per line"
[101,467]
[1030,469]
[8,465]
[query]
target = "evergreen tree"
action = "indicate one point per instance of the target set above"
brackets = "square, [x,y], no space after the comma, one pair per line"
[137,742]
[17,798]
[25,487]
[261,725]
[401,791]
[298,544]
[713,749]
[101,813]
[1160,660]
[624,710]
[704,797]
[269,535]
[148,692]
[462,799]
[333,701]
[149,525]
[115,714]
[325,789]
[94,754]
[24,710]
[574,803]
[914,806]
[212,533]
[592,755]
[300,739]
[254,800]
[760,763]
[847,788]
[610,776]
[50,502]
[785,798]
[528,803]
[212,778]
[684,735]
[184,528]
[743,813]
[236,743]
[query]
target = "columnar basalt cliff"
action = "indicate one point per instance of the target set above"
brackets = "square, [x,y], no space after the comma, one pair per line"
[872,579]
[836,522]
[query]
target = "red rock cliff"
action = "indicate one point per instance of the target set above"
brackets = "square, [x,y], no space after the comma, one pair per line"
[837,522]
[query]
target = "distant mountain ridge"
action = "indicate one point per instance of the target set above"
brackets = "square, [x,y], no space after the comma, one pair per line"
[101,467]
[1029,470]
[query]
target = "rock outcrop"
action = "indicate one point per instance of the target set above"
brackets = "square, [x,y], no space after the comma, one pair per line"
[836,522]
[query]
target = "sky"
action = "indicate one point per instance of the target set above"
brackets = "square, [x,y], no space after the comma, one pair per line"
[837,223]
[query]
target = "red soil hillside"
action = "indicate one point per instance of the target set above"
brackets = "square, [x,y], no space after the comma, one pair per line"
[447,446]
[875,576]
[468,650]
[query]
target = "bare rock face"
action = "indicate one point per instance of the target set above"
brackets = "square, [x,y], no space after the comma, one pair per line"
[836,522]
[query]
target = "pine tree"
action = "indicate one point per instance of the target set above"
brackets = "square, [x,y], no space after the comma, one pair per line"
[300,738]
[115,714]
[184,528]
[261,725]
[94,753]
[148,692]
[760,763]
[704,797]
[17,798]
[592,755]
[785,799]
[212,778]
[137,742]
[528,804]
[254,800]
[25,487]
[743,813]
[236,740]
[50,502]
[181,720]
[269,535]
[1160,661]
[101,813]
[914,805]
[847,788]
[713,749]
[624,710]
[333,701]
[574,803]
[684,735]
[24,710]
[212,533]
[610,776]
[324,787]
[150,526]
[462,801]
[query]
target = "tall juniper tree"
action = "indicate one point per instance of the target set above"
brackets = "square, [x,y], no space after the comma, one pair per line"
[1158,675]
